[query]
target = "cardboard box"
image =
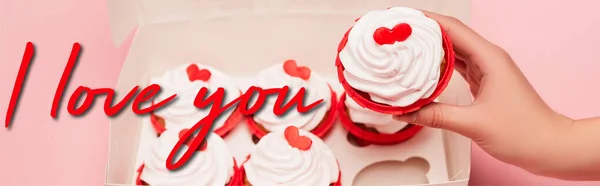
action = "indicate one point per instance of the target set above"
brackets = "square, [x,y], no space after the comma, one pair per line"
[241,37]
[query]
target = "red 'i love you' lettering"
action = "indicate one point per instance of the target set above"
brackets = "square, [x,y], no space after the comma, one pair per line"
[215,100]
[202,101]
[87,93]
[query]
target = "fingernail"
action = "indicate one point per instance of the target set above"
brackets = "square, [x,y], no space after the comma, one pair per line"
[409,118]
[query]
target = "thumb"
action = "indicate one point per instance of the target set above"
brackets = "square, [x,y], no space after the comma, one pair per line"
[439,115]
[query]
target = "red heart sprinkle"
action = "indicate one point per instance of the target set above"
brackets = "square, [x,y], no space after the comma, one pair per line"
[399,33]
[189,141]
[291,68]
[195,73]
[293,138]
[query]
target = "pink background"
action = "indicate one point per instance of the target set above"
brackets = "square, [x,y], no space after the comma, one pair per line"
[553,42]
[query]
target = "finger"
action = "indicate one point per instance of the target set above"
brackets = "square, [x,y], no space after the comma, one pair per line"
[442,116]
[474,84]
[462,69]
[464,39]
[460,66]
[459,56]
[474,90]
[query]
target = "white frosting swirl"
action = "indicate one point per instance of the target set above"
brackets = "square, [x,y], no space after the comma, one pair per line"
[181,112]
[275,162]
[211,167]
[383,123]
[316,88]
[396,74]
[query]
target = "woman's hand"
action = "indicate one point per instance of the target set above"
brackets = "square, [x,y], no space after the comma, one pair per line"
[507,119]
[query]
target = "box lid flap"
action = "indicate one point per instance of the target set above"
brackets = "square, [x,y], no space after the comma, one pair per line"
[126,15]
[123,19]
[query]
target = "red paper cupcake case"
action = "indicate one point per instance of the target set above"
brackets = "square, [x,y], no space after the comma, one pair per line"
[235,118]
[371,137]
[321,131]
[232,182]
[241,173]
[363,100]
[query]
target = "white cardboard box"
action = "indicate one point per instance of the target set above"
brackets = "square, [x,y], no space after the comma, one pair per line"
[241,37]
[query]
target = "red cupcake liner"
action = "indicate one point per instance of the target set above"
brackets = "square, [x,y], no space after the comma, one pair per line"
[232,182]
[371,137]
[321,131]
[233,119]
[241,174]
[363,99]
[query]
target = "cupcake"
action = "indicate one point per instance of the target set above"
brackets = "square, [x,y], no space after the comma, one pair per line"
[213,165]
[185,81]
[370,127]
[290,157]
[318,120]
[395,61]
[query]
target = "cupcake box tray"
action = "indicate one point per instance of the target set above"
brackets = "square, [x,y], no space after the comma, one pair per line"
[241,37]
